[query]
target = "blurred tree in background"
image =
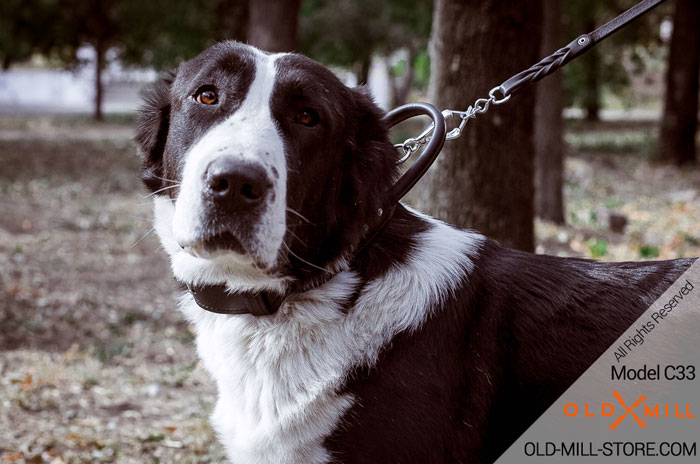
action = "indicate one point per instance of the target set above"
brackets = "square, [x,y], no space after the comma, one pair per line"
[484,179]
[549,124]
[273,24]
[27,27]
[158,33]
[605,68]
[98,23]
[680,119]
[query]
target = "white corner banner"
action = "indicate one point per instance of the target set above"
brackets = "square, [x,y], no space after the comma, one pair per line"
[639,402]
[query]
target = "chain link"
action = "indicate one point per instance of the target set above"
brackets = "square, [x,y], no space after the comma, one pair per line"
[480,106]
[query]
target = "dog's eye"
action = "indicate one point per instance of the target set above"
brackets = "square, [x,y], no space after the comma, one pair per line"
[206,96]
[307,117]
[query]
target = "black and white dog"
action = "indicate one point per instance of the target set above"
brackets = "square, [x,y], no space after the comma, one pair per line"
[417,346]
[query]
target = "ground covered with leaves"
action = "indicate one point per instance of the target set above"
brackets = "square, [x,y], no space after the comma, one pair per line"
[609,172]
[97,365]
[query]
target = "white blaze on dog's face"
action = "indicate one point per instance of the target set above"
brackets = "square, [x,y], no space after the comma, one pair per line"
[260,164]
[232,196]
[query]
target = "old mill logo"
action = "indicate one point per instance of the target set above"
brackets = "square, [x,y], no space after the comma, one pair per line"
[639,411]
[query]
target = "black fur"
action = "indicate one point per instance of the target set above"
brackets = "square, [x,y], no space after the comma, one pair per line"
[519,331]
[518,326]
[338,172]
[152,131]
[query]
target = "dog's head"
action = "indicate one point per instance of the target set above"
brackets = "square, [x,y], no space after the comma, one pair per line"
[264,167]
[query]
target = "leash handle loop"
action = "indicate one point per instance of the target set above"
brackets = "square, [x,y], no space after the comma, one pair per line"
[434,144]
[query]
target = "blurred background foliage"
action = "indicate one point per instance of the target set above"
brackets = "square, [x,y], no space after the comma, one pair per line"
[347,34]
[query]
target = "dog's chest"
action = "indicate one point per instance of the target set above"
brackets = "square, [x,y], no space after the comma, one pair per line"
[277,381]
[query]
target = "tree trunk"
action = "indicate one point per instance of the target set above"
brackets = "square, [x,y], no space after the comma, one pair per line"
[272,25]
[363,70]
[549,125]
[591,88]
[232,23]
[99,90]
[680,119]
[484,179]
[401,85]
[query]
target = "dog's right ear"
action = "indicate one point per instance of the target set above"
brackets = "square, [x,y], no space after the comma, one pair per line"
[152,132]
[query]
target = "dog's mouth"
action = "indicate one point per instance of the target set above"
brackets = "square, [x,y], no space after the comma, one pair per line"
[214,244]
[223,241]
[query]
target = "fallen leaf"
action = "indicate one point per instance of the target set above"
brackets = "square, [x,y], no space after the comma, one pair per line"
[12,457]
[27,383]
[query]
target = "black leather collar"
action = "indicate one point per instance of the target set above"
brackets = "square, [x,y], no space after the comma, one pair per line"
[216,299]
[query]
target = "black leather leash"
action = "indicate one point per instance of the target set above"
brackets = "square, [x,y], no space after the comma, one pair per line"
[217,299]
[577,47]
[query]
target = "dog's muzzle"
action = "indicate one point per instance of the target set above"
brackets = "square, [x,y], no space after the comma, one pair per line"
[235,194]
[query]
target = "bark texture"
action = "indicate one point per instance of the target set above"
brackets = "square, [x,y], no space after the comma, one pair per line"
[484,180]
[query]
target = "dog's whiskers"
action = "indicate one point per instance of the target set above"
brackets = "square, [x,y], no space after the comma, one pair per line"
[152,229]
[160,190]
[167,180]
[303,260]
[297,237]
[298,214]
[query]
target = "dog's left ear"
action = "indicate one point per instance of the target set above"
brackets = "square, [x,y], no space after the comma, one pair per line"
[372,133]
[152,132]
[376,155]
[369,163]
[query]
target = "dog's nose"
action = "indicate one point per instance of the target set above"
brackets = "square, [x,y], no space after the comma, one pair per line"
[236,185]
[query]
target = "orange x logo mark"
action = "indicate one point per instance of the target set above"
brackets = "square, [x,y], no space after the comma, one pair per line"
[641,399]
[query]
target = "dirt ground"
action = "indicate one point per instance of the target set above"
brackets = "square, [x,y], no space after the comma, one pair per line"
[97,365]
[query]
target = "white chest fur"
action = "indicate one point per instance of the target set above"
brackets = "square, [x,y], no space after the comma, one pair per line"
[277,376]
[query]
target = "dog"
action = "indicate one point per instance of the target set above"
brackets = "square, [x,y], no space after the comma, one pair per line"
[338,330]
